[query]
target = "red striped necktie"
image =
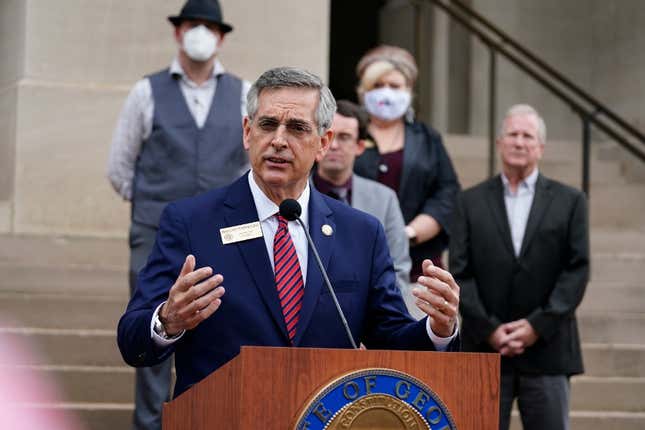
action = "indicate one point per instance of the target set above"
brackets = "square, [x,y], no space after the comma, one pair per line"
[288,276]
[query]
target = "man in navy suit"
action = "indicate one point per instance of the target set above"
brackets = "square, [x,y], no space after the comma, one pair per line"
[227,271]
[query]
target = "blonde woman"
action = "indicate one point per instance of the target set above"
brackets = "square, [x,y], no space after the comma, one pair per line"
[406,155]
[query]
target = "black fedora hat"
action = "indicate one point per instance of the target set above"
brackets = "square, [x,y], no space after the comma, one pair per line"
[208,10]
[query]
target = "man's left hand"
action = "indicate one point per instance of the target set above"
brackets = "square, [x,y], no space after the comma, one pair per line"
[438,297]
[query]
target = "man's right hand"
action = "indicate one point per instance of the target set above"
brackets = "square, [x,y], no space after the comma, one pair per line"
[195,296]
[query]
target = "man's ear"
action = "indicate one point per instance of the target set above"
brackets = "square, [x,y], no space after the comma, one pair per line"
[246,131]
[325,143]
[360,147]
[221,36]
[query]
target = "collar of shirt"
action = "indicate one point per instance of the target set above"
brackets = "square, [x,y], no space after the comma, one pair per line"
[527,183]
[176,70]
[266,208]
[269,223]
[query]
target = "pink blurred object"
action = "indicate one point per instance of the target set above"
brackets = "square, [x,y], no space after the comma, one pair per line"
[29,399]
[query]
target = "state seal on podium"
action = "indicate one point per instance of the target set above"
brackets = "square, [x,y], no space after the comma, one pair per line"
[375,399]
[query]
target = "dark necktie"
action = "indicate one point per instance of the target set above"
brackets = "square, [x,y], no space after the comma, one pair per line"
[288,277]
[339,194]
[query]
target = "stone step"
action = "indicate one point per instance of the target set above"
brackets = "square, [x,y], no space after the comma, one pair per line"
[115,385]
[612,328]
[618,206]
[93,384]
[67,311]
[591,393]
[607,266]
[61,251]
[106,417]
[617,242]
[614,360]
[613,297]
[584,420]
[625,269]
[60,279]
[96,416]
[70,347]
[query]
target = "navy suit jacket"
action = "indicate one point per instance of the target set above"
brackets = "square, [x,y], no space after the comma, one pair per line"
[356,257]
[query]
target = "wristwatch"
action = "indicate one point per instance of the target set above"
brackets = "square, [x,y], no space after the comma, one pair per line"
[159,328]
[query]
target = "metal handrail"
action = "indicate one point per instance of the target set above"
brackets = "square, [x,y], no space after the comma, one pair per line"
[598,114]
[601,109]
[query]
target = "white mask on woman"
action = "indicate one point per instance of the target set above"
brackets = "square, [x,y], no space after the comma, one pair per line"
[387,103]
[199,43]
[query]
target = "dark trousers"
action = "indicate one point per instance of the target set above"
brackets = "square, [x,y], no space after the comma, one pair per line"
[152,386]
[543,400]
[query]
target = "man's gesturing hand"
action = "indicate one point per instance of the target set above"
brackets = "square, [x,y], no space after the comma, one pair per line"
[439,299]
[193,298]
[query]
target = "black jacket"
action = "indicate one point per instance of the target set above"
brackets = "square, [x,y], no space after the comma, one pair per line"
[428,183]
[545,284]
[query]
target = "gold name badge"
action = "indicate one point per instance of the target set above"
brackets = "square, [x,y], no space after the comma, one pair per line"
[239,233]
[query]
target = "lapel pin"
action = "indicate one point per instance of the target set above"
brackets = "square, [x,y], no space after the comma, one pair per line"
[327,230]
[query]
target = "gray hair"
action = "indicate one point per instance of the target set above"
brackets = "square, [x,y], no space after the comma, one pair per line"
[524,109]
[291,77]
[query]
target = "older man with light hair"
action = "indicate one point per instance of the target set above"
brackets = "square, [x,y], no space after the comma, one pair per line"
[520,251]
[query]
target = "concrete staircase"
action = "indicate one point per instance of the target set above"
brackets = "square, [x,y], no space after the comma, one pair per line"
[65,295]
[611,394]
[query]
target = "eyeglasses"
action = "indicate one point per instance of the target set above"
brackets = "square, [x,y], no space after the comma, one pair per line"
[345,138]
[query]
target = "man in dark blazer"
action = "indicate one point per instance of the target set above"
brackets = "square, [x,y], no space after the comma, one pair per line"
[520,252]
[274,290]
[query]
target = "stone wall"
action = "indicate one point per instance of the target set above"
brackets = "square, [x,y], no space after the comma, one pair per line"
[594,43]
[66,69]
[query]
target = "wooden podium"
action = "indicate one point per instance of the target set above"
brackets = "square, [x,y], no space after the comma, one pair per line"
[267,387]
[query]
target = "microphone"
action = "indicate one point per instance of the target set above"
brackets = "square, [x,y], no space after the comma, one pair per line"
[291,210]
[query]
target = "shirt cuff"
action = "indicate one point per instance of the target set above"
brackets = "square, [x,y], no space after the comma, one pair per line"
[126,192]
[441,343]
[158,340]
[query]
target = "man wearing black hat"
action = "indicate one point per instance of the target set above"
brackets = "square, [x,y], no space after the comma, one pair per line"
[179,134]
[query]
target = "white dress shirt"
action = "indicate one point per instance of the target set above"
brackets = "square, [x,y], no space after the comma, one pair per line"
[518,206]
[269,223]
[135,121]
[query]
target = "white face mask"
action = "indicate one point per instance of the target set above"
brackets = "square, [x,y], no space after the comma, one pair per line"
[386,103]
[199,43]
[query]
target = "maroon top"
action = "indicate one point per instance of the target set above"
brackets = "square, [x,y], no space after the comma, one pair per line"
[390,168]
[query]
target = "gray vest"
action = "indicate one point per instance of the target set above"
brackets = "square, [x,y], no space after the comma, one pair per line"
[179,159]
